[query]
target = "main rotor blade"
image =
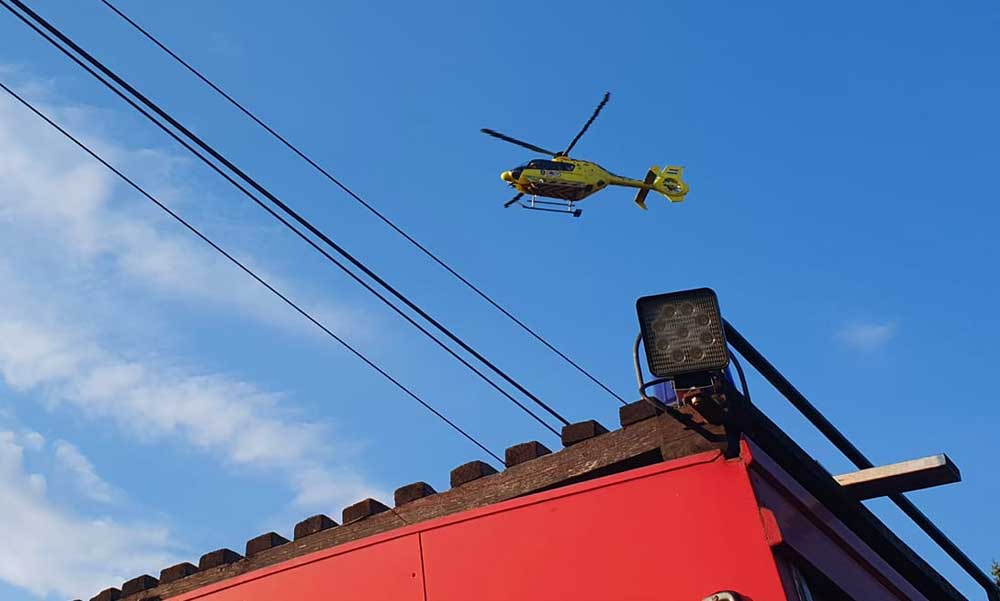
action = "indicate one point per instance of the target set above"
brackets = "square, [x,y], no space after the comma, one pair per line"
[506,138]
[513,200]
[607,96]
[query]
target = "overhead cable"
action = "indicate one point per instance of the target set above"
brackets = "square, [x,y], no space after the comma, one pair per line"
[281,206]
[381,216]
[250,272]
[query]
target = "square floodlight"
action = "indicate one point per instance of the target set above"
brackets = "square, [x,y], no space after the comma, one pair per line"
[682,332]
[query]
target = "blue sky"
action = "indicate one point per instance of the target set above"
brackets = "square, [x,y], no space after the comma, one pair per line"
[841,161]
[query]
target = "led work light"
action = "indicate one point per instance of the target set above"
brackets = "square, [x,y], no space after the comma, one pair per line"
[682,332]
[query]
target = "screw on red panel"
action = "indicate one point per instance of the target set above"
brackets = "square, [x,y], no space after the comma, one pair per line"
[723,596]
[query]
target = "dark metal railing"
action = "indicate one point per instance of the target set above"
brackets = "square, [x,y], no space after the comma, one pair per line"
[845,446]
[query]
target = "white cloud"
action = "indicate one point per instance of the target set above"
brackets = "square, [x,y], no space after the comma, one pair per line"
[68,237]
[867,336]
[60,205]
[69,248]
[212,412]
[33,440]
[81,470]
[50,550]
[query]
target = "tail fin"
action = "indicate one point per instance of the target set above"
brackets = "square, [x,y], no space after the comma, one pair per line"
[669,183]
[640,196]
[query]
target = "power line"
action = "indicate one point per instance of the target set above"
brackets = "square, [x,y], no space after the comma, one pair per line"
[287,210]
[263,191]
[301,154]
[248,271]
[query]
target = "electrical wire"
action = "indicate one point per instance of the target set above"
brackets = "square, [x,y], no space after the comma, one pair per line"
[249,272]
[285,209]
[743,377]
[256,186]
[325,173]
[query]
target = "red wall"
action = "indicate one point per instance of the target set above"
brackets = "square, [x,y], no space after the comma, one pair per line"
[677,530]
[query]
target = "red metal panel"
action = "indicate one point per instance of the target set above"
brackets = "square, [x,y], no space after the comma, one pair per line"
[818,536]
[678,530]
[385,571]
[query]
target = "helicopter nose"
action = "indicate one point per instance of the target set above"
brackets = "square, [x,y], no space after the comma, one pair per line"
[507,176]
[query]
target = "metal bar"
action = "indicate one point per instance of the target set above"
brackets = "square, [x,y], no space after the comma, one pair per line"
[800,402]
[817,419]
[548,210]
[553,203]
[949,547]
[905,476]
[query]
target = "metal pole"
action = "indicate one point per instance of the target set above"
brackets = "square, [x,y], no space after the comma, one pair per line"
[817,419]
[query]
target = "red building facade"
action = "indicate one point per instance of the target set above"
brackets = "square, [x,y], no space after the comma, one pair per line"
[667,508]
[682,529]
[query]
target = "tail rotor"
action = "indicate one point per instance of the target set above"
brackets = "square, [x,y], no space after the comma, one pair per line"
[667,182]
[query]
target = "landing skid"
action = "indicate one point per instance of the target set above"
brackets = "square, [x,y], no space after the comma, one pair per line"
[566,207]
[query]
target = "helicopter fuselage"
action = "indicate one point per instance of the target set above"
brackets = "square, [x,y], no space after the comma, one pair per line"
[564,178]
[571,180]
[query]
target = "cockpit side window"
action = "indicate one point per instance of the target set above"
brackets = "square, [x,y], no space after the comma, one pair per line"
[547,165]
[550,165]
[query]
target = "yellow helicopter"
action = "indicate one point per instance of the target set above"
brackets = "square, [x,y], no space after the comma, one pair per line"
[571,180]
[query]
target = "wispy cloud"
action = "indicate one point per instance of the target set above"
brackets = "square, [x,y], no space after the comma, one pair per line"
[68,249]
[32,440]
[51,550]
[62,206]
[228,417]
[867,336]
[69,238]
[82,472]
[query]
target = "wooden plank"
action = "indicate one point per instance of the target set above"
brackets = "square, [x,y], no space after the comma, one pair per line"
[176,572]
[265,541]
[217,558]
[814,478]
[580,431]
[139,584]
[638,411]
[671,436]
[524,452]
[412,492]
[904,476]
[108,594]
[362,510]
[312,525]
[469,472]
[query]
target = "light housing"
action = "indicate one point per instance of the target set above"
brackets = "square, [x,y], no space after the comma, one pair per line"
[682,332]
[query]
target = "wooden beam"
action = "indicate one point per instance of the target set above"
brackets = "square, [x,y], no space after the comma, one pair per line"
[847,508]
[905,476]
